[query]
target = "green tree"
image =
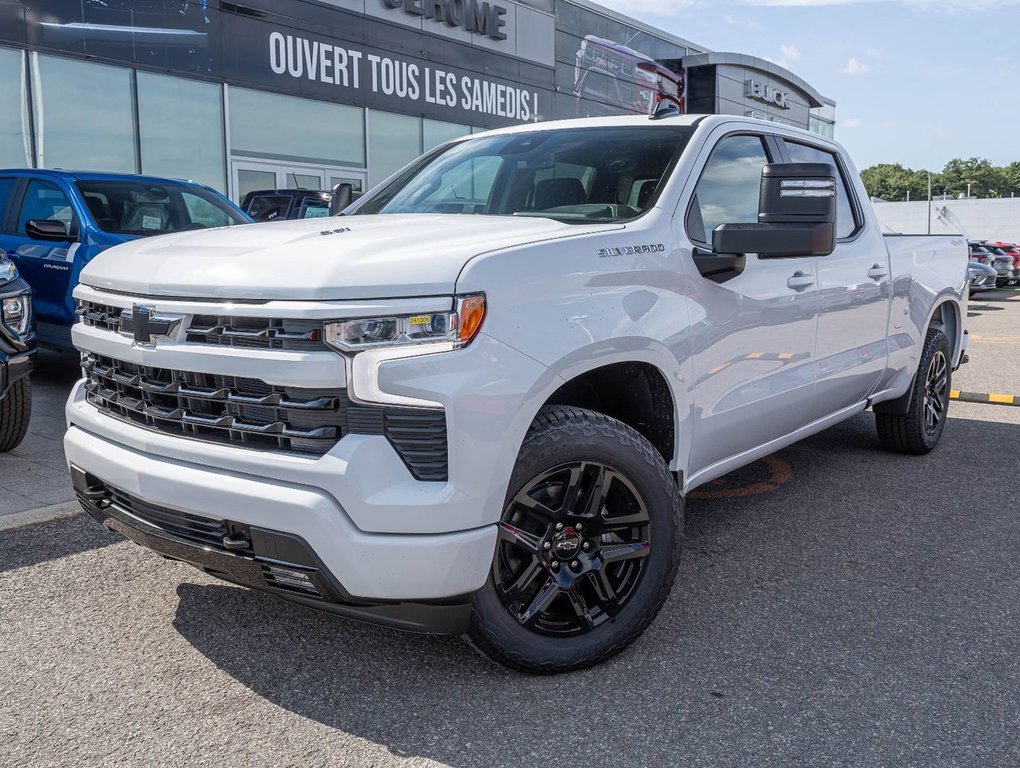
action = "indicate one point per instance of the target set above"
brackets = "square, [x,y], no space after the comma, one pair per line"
[975,175]
[1011,174]
[891,181]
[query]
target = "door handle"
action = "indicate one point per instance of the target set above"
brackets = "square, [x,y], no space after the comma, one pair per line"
[877,272]
[800,280]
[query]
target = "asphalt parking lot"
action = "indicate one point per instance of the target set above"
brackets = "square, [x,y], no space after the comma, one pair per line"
[836,605]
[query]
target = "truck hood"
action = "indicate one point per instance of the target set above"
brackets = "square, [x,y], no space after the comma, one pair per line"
[339,258]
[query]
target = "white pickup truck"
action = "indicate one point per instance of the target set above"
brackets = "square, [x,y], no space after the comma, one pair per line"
[474,402]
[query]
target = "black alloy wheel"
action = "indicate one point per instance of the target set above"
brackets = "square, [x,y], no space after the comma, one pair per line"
[572,546]
[587,545]
[936,391]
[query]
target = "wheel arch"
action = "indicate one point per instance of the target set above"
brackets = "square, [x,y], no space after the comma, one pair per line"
[634,392]
[946,316]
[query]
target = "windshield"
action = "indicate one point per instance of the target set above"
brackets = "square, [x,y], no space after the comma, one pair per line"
[150,208]
[577,175]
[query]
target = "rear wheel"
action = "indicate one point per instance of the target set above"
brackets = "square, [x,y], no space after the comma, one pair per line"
[919,429]
[15,413]
[588,547]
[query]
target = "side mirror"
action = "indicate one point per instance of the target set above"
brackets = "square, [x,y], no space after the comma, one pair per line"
[343,195]
[47,229]
[796,214]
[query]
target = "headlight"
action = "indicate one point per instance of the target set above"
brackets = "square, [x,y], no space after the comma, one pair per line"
[16,314]
[457,327]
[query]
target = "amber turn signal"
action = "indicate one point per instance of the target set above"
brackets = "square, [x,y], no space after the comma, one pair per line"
[470,313]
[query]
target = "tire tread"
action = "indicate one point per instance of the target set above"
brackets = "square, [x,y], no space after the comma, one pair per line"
[904,433]
[15,413]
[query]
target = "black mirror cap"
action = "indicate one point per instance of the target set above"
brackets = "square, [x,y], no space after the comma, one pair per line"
[797,193]
[776,240]
[343,195]
[47,229]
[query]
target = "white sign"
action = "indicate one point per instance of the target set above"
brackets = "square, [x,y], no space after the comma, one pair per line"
[756,89]
[303,58]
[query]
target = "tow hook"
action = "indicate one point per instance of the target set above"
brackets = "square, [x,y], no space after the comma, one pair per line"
[236,538]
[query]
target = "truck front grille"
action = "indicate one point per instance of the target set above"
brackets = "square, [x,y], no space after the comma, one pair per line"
[253,414]
[96,315]
[248,332]
[222,409]
[256,333]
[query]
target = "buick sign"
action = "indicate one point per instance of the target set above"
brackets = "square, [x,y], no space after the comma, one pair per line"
[756,89]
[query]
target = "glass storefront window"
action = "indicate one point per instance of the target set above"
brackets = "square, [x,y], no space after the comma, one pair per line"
[394,141]
[268,125]
[181,128]
[435,132]
[249,180]
[15,147]
[84,115]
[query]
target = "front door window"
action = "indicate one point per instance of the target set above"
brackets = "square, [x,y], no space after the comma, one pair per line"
[46,202]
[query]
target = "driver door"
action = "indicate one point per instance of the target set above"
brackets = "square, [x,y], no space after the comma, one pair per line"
[753,346]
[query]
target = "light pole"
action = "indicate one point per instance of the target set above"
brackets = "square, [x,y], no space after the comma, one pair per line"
[929,202]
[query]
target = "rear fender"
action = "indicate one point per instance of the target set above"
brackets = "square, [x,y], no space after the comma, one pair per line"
[945,317]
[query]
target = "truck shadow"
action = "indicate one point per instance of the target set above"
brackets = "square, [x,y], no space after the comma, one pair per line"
[996,296]
[868,589]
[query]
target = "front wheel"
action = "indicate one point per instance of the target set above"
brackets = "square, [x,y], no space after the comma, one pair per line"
[15,413]
[918,430]
[588,547]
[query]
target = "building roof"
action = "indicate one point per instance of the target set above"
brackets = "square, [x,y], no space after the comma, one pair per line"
[713,58]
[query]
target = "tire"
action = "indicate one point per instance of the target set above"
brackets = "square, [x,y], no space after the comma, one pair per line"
[15,413]
[588,547]
[919,429]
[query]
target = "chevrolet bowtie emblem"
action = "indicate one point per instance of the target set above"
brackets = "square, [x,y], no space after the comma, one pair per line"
[145,326]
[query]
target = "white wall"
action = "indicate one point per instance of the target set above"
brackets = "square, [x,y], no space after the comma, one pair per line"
[977,219]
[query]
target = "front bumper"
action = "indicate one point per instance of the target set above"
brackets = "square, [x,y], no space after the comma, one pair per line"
[983,282]
[15,368]
[370,567]
[259,558]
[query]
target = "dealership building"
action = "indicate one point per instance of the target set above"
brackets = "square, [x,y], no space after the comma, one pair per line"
[305,93]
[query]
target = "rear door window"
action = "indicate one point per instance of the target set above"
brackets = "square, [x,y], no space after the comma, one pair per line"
[314,208]
[846,222]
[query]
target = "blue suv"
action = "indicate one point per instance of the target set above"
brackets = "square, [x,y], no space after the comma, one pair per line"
[53,223]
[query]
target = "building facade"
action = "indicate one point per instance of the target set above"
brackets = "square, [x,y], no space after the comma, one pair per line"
[309,93]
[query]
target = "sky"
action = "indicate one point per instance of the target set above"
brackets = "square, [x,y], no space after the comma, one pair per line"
[916,82]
